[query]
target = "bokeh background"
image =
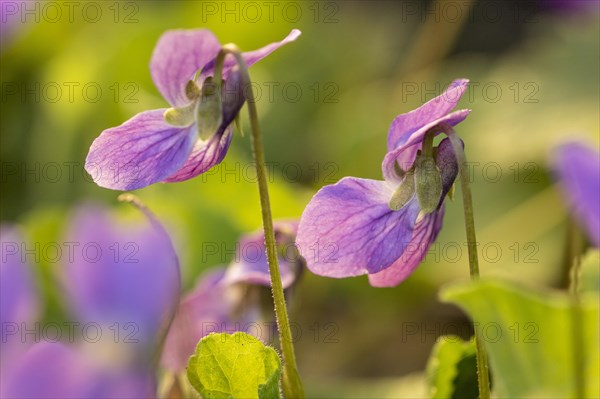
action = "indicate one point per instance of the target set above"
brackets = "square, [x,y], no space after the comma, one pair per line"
[326,102]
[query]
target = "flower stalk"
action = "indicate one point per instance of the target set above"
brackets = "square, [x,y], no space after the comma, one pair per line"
[574,251]
[482,362]
[292,385]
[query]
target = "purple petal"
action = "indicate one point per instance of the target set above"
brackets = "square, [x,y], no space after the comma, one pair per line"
[122,274]
[207,154]
[204,310]
[425,233]
[251,265]
[426,230]
[405,125]
[404,154]
[233,94]
[19,302]
[447,163]
[178,55]
[348,229]
[111,383]
[50,370]
[54,370]
[142,151]
[250,57]
[578,170]
[204,155]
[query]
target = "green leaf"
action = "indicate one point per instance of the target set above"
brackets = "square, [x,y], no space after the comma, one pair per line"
[234,366]
[539,343]
[452,369]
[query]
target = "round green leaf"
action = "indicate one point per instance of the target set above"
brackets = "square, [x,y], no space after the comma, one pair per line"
[234,366]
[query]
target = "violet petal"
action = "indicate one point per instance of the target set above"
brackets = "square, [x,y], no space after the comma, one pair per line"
[404,154]
[122,274]
[19,302]
[448,165]
[50,370]
[348,228]
[251,265]
[424,234]
[578,169]
[233,95]
[178,55]
[250,57]
[142,151]
[54,370]
[405,125]
[200,312]
[204,155]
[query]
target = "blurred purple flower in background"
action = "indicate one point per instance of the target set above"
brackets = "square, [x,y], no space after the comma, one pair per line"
[129,275]
[128,297]
[19,302]
[569,6]
[251,265]
[12,22]
[55,370]
[147,149]
[384,228]
[225,298]
[578,170]
[204,310]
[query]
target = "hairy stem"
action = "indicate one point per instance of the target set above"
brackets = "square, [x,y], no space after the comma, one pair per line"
[292,385]
[482,362]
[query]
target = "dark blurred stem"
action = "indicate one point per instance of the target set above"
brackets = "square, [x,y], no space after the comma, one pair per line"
[573,257]
[574,246]
[574,249]
[483,373]
[292,385]
[435,38]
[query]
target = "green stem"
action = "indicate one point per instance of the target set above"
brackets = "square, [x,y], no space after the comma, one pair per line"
[482,362]
[292,385]
[574,250]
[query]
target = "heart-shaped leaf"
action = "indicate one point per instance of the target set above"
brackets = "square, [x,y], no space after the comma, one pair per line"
[234,366]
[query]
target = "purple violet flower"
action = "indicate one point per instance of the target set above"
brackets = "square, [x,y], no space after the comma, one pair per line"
[121,281]
[204,310]
[127,274]
[384,228]
[147,149]
[220,302]
[251,265]
[578,170]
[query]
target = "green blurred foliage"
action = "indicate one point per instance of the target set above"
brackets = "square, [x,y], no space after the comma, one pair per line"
[357,67]
[452,369]
[540,344]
